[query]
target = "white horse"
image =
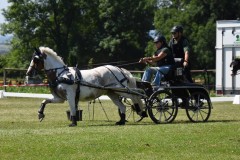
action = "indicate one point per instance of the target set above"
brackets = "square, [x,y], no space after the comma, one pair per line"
[68,83]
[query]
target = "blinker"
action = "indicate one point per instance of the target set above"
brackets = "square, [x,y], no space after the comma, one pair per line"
[36,59]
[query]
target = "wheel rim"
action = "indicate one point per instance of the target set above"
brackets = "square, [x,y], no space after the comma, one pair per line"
[199,108]
[162,107]
[131,115]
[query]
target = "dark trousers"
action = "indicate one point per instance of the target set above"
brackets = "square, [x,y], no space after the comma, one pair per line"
[187,74]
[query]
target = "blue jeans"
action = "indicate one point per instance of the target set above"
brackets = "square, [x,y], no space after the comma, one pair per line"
[157,71]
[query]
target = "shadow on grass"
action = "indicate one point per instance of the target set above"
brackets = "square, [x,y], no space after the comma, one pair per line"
[224,121]
[94,123]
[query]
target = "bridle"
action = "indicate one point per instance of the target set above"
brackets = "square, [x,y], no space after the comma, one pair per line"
[38,57]
[65,68]
[36,60]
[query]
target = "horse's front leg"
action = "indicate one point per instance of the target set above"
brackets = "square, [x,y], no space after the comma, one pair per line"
[41,110]
[73,108]
[41,114]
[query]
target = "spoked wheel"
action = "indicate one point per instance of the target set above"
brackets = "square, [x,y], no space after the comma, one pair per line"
[131,114]
[162,107]
[199,108]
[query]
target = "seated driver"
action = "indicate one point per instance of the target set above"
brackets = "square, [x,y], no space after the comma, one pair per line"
[161,61]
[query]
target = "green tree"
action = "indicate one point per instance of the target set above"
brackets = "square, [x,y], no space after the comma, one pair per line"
[79,31]
[124,28]
[199,21]
[47,23]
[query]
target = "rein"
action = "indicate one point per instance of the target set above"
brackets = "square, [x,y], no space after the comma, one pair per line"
[127,64]
[117,63]
[125,90]
[64,67]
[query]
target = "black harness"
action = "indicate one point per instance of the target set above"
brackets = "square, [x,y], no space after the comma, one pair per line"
[78,80]
[69,81]
[124,76]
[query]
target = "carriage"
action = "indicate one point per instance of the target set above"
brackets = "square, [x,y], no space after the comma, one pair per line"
[162,103]
[133,98]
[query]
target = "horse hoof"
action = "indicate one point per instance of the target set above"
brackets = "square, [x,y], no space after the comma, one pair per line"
[72,125]
[40,116]
[120,123]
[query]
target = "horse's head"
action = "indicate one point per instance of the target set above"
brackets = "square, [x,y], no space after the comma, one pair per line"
[37,63]
[235,64]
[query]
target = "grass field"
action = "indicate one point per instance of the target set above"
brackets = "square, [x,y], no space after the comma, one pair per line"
[22,136]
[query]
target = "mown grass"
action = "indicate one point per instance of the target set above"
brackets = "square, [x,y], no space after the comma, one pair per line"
[22,136]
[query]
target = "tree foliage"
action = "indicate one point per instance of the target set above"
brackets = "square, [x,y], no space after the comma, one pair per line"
[101,31]
[80,31]
[199,21]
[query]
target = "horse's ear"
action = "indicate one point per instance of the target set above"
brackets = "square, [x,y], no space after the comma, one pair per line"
[37,51]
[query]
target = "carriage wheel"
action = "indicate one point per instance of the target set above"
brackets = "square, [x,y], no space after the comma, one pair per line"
[162,107]
[199,108]
[131,114]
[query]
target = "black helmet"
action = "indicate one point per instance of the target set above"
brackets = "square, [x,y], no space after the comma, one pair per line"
[177,29]
[159,38]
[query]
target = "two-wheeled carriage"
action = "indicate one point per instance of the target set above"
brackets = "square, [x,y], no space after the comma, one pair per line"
[162,103]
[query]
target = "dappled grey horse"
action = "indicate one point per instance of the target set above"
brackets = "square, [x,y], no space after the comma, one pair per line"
[71,84]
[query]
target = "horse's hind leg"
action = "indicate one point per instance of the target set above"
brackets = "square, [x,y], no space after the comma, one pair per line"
[138,104]
[121,107]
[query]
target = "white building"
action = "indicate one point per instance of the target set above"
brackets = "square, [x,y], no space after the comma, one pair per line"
[227,48]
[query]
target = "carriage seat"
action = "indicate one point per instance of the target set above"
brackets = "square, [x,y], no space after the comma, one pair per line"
[175,72]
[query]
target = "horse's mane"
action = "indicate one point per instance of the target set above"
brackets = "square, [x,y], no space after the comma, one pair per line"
[49,51]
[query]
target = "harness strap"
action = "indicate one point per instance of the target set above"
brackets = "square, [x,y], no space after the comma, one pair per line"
[78,75]
[78,78]
[64,67]
[120,81]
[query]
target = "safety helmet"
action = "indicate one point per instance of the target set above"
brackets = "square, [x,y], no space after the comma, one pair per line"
[177,29]
[159,38]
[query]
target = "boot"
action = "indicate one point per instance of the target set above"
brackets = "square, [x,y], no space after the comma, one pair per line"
[139,112]
[144,114]
[41,116]
[74,121]
[41,109]
[122,120]
[40,112]
[137,108]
